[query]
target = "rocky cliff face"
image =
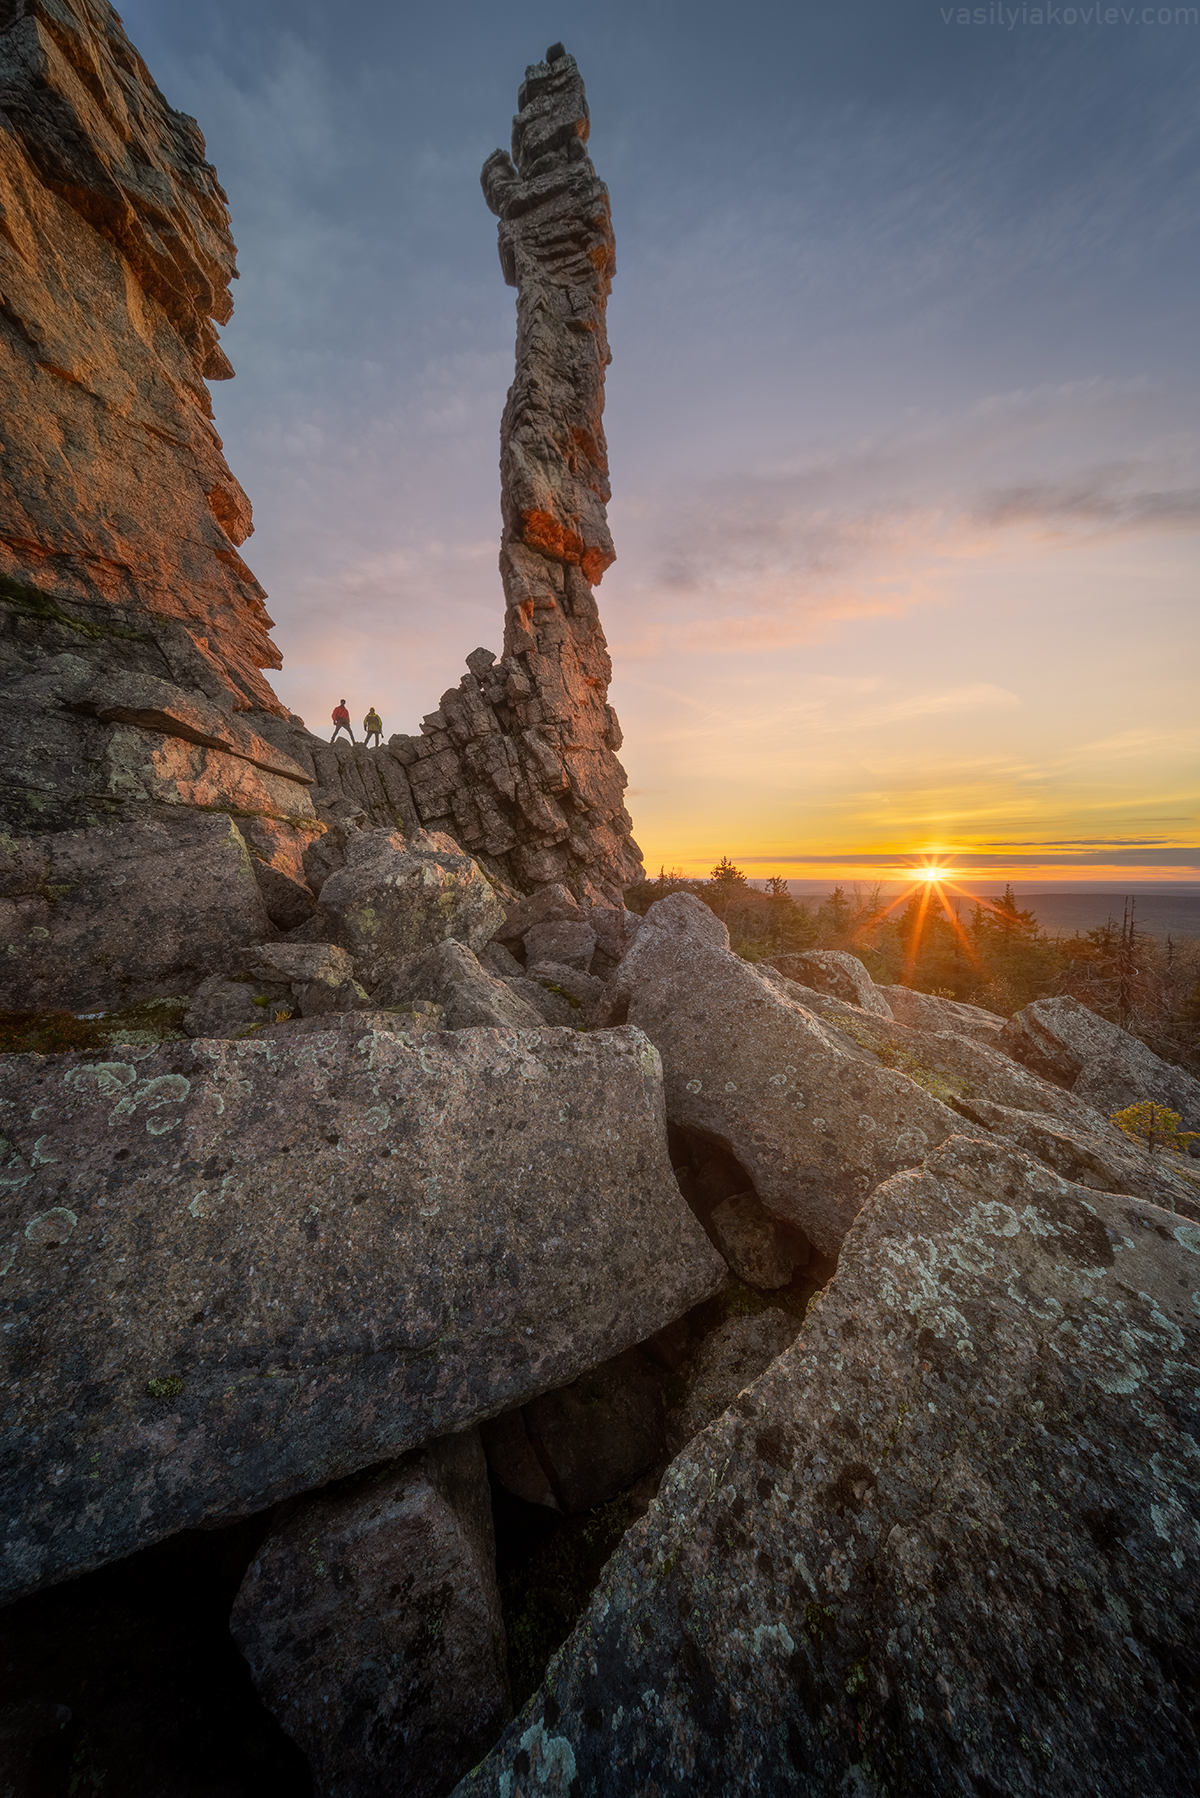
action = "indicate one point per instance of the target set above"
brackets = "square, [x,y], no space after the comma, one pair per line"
[133,713]
[115,259]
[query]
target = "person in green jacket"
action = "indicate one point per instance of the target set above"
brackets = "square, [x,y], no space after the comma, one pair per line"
[373,727]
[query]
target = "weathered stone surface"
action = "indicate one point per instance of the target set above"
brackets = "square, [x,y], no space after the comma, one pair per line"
[595,1436]
[833,971]
[1102,1064]
[236,1270]
[571,944]
[556,249]
[137,908]
[552,1001]
[514,1460]
[944,1544]
[396,897]
[816,1125]
[552,904]
[287,901]
[501,961]
[925,1011]
[115,260]
[68,756]
[235,1008]
[614,929]
[584,990]
[750,1240]
[469,994]
[298,963]
[724,1364]
[993,1092]
[371,1622]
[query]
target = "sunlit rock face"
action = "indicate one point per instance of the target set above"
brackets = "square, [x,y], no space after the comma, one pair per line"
[556,249]
[115,259]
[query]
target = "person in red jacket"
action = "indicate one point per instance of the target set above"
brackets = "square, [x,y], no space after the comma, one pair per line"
[341,721]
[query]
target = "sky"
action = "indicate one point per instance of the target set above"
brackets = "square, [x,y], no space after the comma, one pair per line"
[902,415]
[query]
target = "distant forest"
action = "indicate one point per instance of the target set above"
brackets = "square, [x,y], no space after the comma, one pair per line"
[987,952]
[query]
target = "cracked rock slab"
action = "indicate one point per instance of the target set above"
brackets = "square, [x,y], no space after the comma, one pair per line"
[235,1271]
[946,1543]
[815,1123]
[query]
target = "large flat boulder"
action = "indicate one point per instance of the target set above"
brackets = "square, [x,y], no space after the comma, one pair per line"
[236,1270]
[137,908]
[946,1543]
[815,1121]
[371,1622]
[929,1011]
[1101,1063]
[999,1095]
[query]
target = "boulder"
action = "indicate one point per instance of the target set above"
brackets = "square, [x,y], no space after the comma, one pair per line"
[945,1543]
[753,1244]
[398,896]
[552,1001]
[298,963]
[815,1123]
[470,996]
[724,1364]
[1102,1064]
[926,1011]
[582,991]
[613,929]
[833,971]
[997,1094]
[231,1008]
[552,905]
[514,1460]
[145,906]
[501,961]
[569,943]
[371,1623]
[288,902]
[237,1270]
[595,1436]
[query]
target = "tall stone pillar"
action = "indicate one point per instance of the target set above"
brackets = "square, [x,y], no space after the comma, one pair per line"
[556,248]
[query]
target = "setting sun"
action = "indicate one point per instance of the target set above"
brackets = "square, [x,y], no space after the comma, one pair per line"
[932,874]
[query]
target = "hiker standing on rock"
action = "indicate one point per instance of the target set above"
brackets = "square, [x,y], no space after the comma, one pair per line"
[341,721]
[373,727]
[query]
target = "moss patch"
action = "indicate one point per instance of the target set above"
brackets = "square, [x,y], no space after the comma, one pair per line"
[57,1032]
[36,604]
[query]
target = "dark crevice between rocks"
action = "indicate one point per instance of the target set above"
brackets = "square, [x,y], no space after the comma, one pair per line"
[547,1567]
[548,1564]
[708,1172]
[126,1683]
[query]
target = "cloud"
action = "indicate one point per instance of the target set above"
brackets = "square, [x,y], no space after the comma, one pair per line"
[742,559]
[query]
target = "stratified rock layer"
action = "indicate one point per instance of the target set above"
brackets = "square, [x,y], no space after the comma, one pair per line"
[946,1544]
[115,259]
[556,249]
[233,1271]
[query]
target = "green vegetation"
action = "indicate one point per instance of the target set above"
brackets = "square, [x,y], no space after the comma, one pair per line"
[36,604]
[988,952]
[1150,1123]
[169,1387]
[55,1032]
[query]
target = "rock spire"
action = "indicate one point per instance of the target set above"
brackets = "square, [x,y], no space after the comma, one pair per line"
[556,248]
